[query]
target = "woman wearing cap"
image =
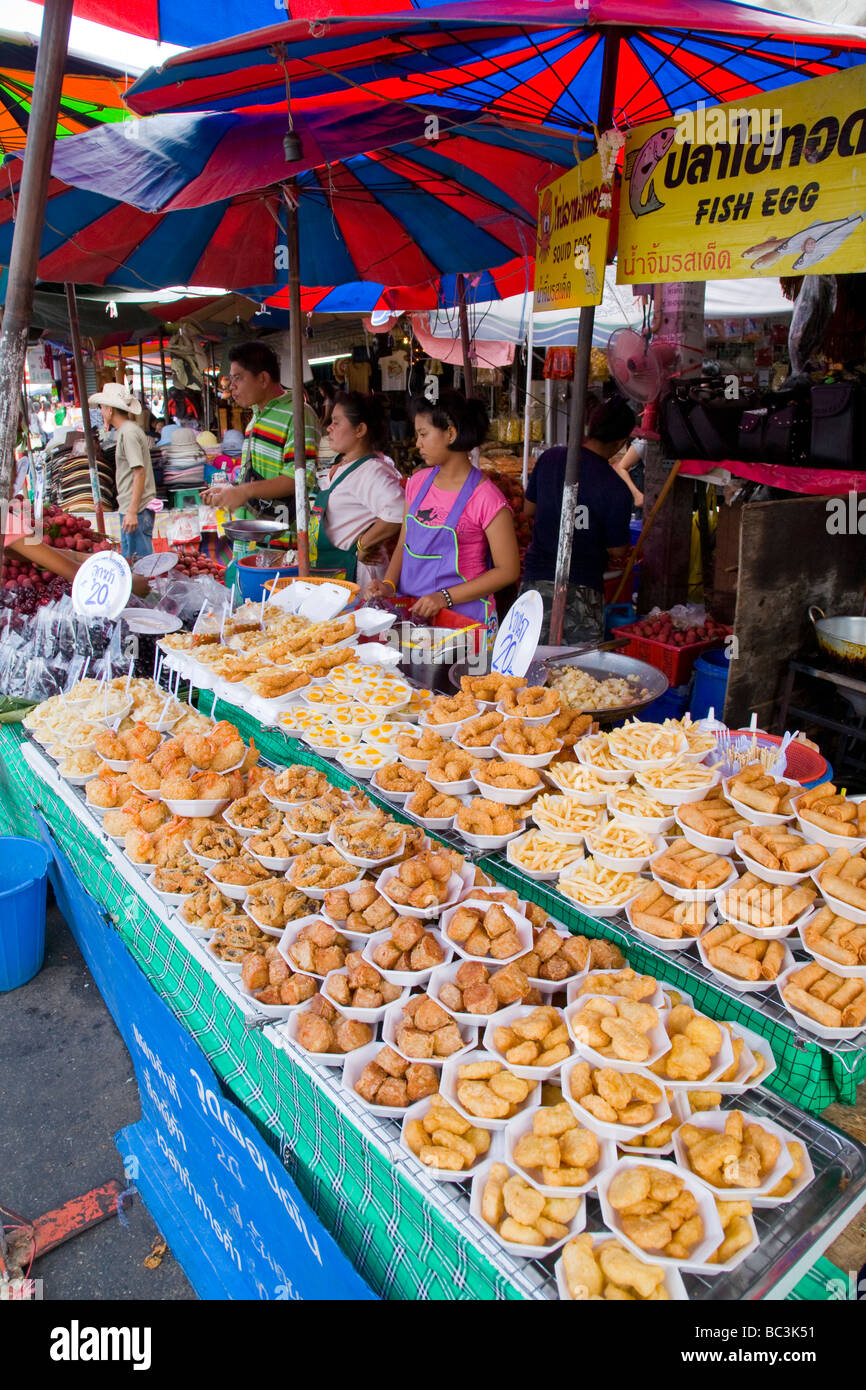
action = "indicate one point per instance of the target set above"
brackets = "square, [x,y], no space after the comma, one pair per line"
[457,548]
[133,469]
[362,505]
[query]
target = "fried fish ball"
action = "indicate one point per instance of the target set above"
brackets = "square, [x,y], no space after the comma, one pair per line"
[629,1186]
[647,1232]
[625,1269]
[583,1274]
[477,1098]
[522,1202]
[492,1202]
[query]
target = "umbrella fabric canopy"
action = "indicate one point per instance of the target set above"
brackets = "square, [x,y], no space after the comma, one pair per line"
[90,96]
[402,216]
[532,62]
[365,297]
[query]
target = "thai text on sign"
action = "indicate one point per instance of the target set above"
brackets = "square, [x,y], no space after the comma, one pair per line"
[572,238]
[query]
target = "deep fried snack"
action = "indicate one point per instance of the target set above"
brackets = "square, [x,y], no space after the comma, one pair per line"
[481,731]
[520,1213]
[409,947]
[444,1139]
[526,740]
[607,1270]
[741,1156]
[318,949]
[401,1086]
[510,776]
[656,1210]
[484,817]
[624,1098]
[530,702]
[540,1039]
[491,687]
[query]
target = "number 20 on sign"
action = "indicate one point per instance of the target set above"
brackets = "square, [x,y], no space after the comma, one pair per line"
[102,586]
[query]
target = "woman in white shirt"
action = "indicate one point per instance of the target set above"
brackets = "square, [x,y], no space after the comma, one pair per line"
[361,506]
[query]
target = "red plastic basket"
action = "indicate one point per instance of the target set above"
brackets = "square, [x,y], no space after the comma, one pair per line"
[675,662]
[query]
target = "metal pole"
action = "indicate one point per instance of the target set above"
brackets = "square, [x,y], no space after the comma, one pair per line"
[32,198]
[530,334]
[469,382]
[90,443]
[580,382]
[295,328]
[164,379]
[141,371]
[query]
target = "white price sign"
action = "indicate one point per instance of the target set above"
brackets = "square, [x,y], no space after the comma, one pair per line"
[517,638]
[102,586]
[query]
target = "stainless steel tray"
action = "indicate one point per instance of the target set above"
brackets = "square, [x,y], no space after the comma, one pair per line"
[604,665]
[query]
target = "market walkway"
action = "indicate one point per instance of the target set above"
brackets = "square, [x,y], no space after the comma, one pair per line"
[66,1086]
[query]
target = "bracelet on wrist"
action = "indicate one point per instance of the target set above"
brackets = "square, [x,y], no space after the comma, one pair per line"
[449,602]
[392,584]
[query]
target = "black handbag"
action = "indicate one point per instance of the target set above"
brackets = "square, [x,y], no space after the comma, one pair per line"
[678,440]
[715,423]
[837,434]
[786,436]
[750,436]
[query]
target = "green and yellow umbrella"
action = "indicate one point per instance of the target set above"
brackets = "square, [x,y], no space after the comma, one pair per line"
[91,95]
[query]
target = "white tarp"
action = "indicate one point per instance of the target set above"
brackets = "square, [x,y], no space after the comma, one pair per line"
[506,320]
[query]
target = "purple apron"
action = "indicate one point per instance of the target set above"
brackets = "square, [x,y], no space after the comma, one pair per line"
[431,554]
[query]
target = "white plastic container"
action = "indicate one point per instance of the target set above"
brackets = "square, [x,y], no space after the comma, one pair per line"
[521,923]
[391,1021]
[418,1111]
[243,830]
[319,894]
[650,825]
[711,844]
[465,787]
[743,1081]
[507,796]
[671,797]
[761,933]
[577,988]
[715,1120]
[525,759]
[585,746]
[358,860]
[504,1020]
[353,1065]
[731,981]
[758,817]
[780,878]
[657,1037]
[450,1079]
[627,863]
[532,721]
[407,977]
[857,915]
[523,1124]
[673,1281]
[810,1024]
[362,1015]
[713,1234]
[692,895]
[539,875]
[445,974]
[236,891]
[289,1029]
[665,943]
[618,1133]
[529,1252]
[288,937]
[456,888]
[848,972]
[484,750]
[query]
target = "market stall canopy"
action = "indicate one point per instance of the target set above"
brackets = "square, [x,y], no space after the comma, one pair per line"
[365,297]
[196,21]
[507,321]
[401,216]
[537,62]
[90,96]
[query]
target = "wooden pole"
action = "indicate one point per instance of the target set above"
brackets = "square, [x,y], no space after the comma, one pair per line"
[164,379]
[295,329]
[141,372]
[530,335]
[468,373]
[89,442]
[646,528]
[580,382]
[30,215]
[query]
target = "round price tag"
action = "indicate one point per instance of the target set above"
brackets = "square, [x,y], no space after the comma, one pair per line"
[517,638]
[102,586]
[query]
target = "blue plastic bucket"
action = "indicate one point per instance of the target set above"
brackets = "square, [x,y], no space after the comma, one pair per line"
[23,888]
[251,579]
[618,615]
[711,683]
[671,705]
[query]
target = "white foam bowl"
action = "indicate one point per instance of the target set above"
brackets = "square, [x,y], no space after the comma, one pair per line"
[596,798]
[711,844]
[312,837]
[288,936]
[816,835]
[567,837]
[526,759]
[484,750]
[319,1059]
[243,830]
[523,1124]
[507,796]
[857,915]
[357,859]
[391,1021]
[456,888]
[731,981]
[407,977]
[632,863]
[651,764]
[445,974]
[665,943]
[618,1133]
[230,967]
[465,787]
[763,933]
[779,877]
[431,822]
[489,842]
[756,1047]
[848,972]
[450,1080]
[713,1234]
[399,798]
[656,1036]
[364,774]
[670,797]
[692,895]
[584,747]
[416,764]
[447,730]
[529,1252]
[522,924]
[538,875]
[278,1011]
[171,899]
[236,891]
[595,909]
[757,817]
[503,1020]
[811,1025]
[574,988]
[275,864]
[698,1267]
[679,1112]
[353,1065]
[319,894]
[715,1120]
[673,1280]
[142,791]
[362,1015]
[417,1111]
[649,825]
[533,721]
[721,1062]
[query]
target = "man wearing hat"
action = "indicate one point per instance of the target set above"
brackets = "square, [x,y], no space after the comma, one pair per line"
[133,469]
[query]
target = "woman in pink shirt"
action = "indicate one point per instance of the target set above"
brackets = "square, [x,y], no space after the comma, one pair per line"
[457,546]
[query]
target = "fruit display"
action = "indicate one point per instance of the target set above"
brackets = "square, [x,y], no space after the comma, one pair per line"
[26,586]
[191,562]
[665,628]
[510,487]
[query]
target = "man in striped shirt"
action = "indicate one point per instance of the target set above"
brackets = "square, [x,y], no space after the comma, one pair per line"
[267,478]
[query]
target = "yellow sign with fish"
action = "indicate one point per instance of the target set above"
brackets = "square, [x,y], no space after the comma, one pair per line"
[572,238]
[777,187]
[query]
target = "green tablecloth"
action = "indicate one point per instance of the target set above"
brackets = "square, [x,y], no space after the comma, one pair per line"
[402,1244]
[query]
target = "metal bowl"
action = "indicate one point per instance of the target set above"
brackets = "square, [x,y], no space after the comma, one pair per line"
[604,665]
[252,530]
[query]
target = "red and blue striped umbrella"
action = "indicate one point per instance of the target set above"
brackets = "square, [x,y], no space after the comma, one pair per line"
[538,62]
[402,216]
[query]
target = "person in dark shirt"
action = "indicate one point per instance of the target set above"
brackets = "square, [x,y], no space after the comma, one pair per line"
[604,507]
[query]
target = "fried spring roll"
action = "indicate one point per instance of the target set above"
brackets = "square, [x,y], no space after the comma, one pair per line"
[774,959]
[734,963]
[855,1014]
[804,858]
[835,827]
[804,1003]
[846,892]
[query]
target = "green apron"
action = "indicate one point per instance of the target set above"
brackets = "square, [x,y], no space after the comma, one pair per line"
[323,554]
